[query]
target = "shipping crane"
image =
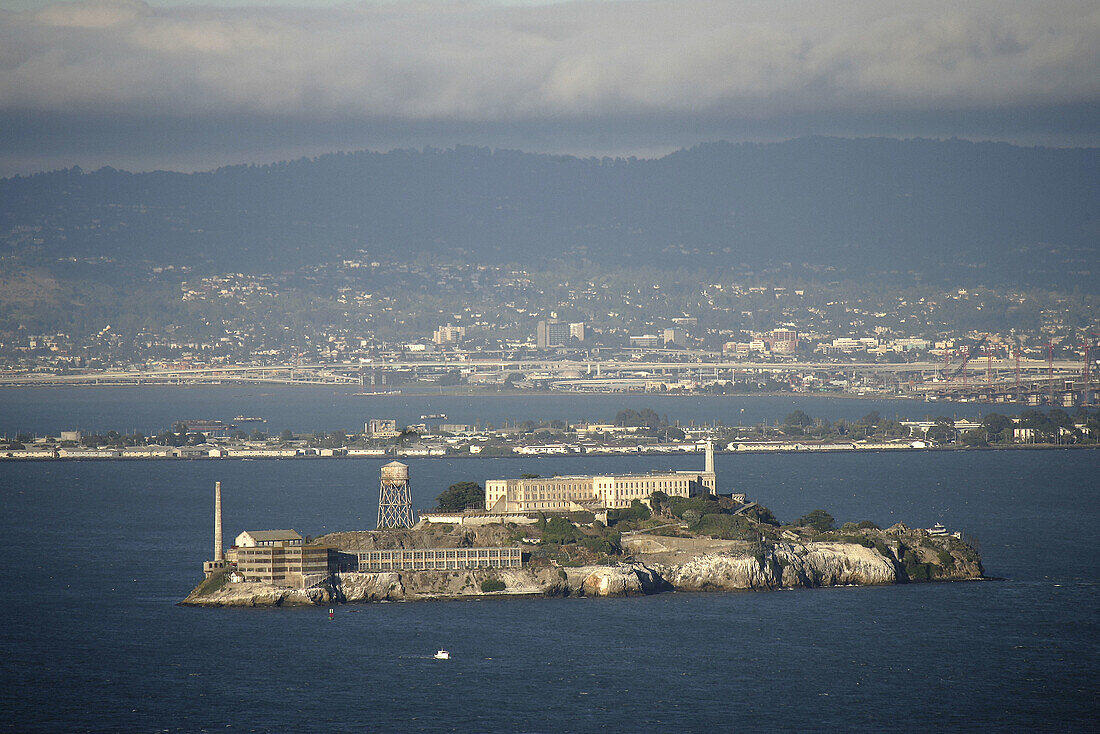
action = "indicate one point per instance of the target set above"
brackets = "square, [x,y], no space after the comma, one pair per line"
[966,351]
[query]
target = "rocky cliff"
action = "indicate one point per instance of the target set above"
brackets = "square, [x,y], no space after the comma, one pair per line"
[898,555]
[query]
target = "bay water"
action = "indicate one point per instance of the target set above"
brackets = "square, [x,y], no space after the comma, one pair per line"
[305,409]
[101,552]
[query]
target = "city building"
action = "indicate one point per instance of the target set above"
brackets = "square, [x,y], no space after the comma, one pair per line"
[557,333]
[382,428]
[449,334]
[645,341]
[678,337]
[782,341]
[594,493]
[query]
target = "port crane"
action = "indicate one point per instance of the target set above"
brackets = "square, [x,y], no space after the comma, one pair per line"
[950,375]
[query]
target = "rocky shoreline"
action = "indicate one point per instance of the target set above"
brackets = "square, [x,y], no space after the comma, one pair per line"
[872,558]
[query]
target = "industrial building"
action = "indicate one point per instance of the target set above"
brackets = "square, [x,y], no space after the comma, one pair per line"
[607,492]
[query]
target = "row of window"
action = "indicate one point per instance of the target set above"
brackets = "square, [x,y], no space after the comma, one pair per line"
[425,565]
[460,553]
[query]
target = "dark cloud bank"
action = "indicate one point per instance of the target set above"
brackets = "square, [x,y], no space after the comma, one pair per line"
[120,82]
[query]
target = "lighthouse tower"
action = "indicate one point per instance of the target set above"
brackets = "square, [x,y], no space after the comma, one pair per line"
[211,567]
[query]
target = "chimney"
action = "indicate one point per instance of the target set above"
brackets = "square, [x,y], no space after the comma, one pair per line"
[218,521]
[708,467]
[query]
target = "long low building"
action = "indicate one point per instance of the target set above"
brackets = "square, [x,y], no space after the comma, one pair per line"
[611,491]
[441,559]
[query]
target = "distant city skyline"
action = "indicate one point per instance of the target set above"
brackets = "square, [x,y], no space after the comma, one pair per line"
[191,86]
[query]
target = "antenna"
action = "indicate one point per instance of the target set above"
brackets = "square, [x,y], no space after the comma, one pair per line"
[395,497]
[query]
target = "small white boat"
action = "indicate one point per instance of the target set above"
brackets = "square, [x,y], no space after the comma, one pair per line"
[442,654]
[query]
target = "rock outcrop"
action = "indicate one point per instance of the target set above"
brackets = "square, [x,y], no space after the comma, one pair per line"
[785,566]
[897,555]
[258,594]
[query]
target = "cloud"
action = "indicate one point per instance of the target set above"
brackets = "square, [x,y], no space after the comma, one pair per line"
[118,82]
[468,62]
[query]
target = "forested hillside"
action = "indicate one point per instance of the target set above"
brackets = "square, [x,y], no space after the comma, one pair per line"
[940,210]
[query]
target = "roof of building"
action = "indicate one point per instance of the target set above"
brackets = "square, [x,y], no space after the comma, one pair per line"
[274,534]
[629,475]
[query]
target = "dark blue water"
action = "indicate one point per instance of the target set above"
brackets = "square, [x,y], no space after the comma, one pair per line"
[306,409]
[100,552]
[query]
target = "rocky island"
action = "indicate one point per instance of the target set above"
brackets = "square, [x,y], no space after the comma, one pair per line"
[670,544]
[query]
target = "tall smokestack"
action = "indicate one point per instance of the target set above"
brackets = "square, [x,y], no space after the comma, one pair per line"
[217,521]
[708,467]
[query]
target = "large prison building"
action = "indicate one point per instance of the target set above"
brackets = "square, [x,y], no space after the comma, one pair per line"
[612,491]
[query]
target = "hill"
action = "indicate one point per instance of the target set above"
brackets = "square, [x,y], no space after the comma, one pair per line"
[989,213]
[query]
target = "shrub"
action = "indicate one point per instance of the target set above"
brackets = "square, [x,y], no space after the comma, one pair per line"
[819,520]
[761,514]
[637,511]
[491,585]
[727,527]
[558,530]
[700,505]
[606,544]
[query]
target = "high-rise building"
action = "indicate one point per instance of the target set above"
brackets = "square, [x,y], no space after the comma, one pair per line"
[674,336]
[449,334]
[552,334]
[783,340]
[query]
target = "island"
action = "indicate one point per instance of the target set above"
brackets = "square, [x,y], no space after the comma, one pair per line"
[667,543]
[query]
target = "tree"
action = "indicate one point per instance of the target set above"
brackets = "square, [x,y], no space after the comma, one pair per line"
[871,419]
[975,437]
[672,433]
[995,426]
[648,418]
[286,435]
[762,515]
[943,430]
[798,418]
[461,496]
[819,520]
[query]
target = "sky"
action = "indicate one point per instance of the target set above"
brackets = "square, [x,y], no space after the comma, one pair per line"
[194,85]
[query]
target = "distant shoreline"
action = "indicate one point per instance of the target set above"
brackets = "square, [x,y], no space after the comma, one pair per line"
[474,393]
[597,454]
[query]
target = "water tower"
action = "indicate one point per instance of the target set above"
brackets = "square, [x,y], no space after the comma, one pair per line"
[395,497]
